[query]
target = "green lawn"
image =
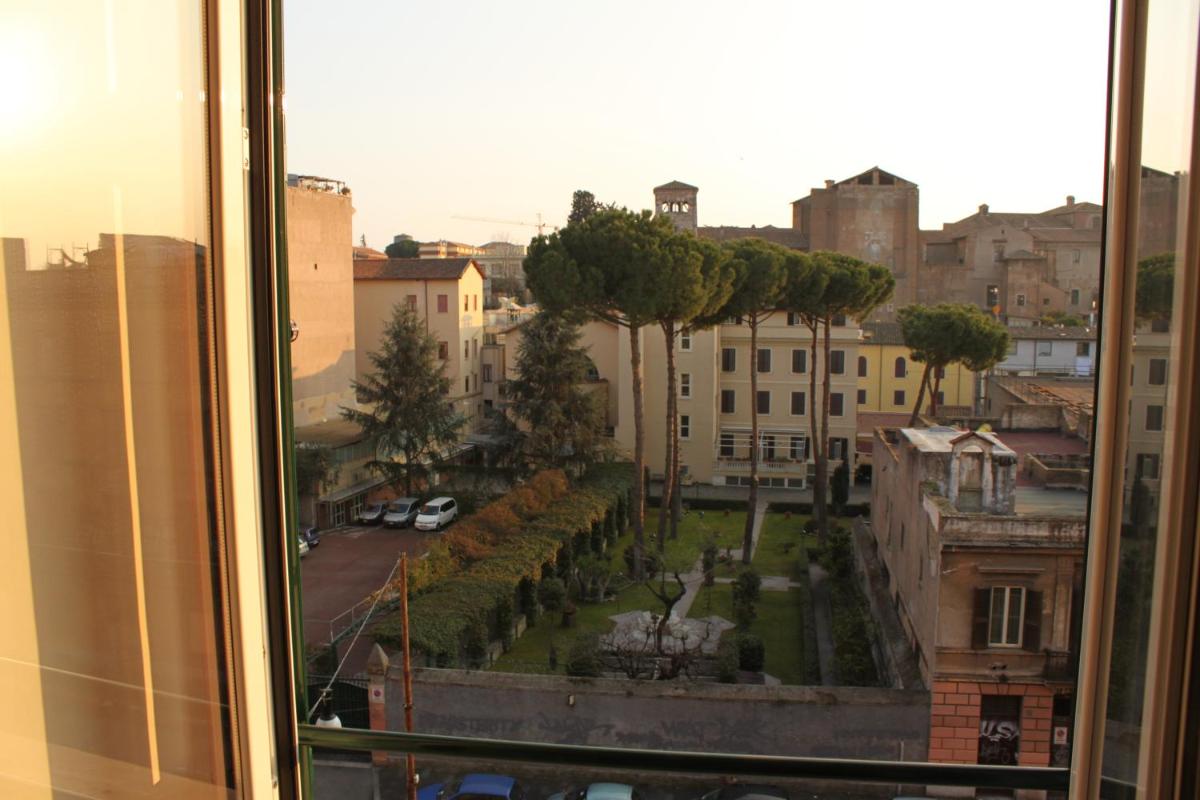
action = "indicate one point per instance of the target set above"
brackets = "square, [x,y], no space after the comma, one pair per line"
[781,546]
[530,653]
[781,622]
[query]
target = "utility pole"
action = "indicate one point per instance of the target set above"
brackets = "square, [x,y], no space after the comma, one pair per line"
[407,662]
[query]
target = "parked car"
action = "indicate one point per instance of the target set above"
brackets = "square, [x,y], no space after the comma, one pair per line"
[401,513]
[303,546]
[310,536]
[747,791]
[600,791]
[436,514]
[371,514]
[471,787]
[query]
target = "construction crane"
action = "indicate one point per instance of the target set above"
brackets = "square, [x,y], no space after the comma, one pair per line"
[540,225]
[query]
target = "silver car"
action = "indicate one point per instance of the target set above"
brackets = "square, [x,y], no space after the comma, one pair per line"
[401,512]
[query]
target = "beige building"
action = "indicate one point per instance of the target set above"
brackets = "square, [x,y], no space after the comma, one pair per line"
[986,577]
[447,294]
[445,249]
[713,371]
[503,260]
[321,297]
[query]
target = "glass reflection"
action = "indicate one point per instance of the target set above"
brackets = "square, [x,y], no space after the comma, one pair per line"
[114,652]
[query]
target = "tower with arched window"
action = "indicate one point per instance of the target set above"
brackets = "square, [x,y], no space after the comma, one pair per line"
[677,201]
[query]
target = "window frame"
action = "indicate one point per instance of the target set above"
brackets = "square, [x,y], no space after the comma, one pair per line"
[731,394]
[763,394]
[1005,617]
[763,356]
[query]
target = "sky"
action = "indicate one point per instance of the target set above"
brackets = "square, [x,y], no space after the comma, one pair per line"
[434,111]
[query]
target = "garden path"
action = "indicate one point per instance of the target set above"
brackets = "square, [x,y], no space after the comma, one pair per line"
[695,579]
[823,617]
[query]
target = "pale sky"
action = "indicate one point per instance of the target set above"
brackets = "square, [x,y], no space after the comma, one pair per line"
[431,110]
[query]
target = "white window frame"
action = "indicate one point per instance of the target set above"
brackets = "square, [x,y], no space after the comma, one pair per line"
[685,341]
[685,385]
[1006,635]
[685,426]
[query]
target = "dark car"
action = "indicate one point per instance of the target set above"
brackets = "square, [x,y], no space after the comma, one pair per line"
[371,514]
[311,535]
[478,786]
[747,791]
[401,512]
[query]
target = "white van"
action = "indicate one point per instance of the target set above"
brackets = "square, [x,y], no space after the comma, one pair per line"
[436,514]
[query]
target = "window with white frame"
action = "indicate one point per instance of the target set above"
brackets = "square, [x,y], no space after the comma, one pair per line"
[1006,617]
[685,426]
[685,385]
[685,342]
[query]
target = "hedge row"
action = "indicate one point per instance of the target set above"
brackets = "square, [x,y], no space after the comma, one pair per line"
[474,579]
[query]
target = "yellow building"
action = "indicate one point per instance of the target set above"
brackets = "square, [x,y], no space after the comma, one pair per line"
[889,380]
[447,293]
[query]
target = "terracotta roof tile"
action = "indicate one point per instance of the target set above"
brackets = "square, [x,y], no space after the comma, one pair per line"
[413,269]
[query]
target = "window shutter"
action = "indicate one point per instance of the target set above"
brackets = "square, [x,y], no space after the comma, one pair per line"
[979,622]
[1033,621]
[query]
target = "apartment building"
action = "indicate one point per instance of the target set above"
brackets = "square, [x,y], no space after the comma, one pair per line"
[986,576]
[715,400]
[447,293]
[1049,350]
[321,261]
[1148,408]
[503,260]
[889,380]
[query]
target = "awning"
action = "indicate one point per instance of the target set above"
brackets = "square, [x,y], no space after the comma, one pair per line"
[350,491]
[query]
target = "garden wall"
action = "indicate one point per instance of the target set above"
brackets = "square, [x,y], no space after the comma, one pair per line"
[767,720]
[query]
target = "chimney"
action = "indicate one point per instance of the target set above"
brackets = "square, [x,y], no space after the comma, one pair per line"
[828,184]
[1070,199]
[983,208]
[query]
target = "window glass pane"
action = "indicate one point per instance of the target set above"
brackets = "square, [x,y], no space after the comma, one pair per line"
[1016,604]
[549,595]
[114,651]
[999,597]
[1166,131]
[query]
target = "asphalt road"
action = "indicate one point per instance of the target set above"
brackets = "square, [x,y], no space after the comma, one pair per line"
[348,565]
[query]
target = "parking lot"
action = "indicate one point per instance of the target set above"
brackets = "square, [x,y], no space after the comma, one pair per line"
[349,564]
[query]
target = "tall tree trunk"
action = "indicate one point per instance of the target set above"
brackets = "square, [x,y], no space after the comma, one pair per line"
[752,501]
[639,454]
[821,487]
[676,486]
[937,387]
[912,422]
[814,419]
[668,484]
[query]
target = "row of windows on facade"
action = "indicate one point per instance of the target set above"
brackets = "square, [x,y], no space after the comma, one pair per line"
[993,297]
[798,399]
[837,363]
[470,302]
[797,450]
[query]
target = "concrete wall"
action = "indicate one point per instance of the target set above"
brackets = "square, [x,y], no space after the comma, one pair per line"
[789,720]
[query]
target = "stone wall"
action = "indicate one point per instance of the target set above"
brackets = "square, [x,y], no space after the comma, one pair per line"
[1059,471]
[780,720]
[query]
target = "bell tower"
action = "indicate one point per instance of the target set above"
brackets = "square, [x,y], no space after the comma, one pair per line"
[677,201]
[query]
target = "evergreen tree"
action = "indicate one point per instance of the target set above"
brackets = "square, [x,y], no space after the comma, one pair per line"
[760,281]
[403,402]
[603,267]
[404,247]
[950,333]
[561,424]
[583,205]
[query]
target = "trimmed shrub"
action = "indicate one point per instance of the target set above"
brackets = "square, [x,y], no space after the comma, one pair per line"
[552,594]
[751,653]
[746,588]
[727,661]
[476,645]
[453,589]
[583,658]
